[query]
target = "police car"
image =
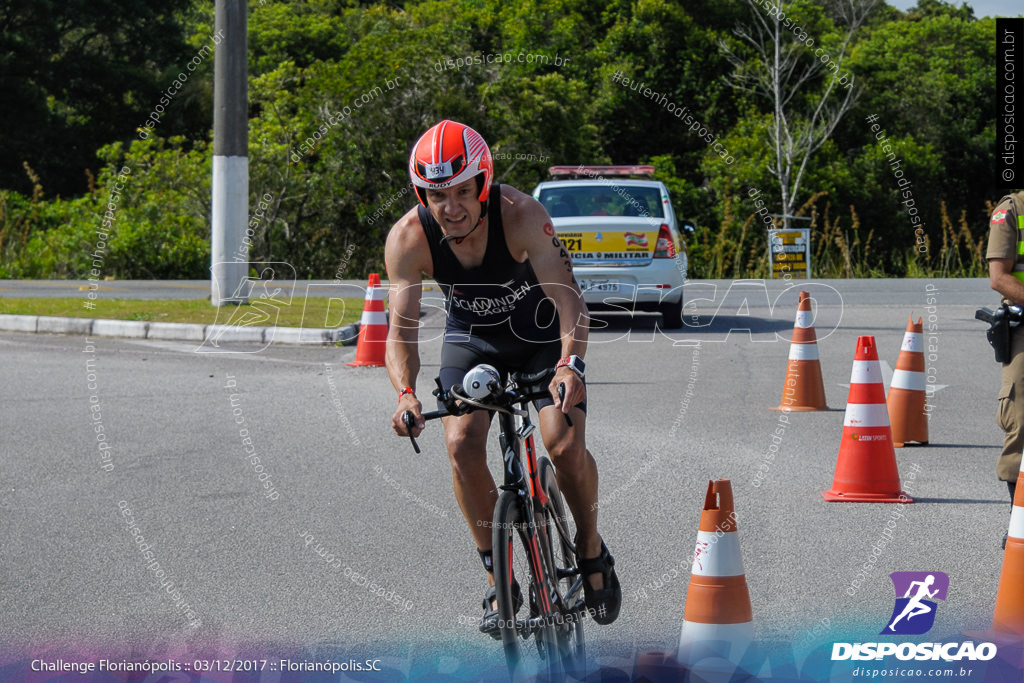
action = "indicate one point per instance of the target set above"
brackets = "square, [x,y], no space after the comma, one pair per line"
[618,224]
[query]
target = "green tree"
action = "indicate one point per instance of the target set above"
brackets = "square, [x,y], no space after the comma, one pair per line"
[928,78]
[76,74]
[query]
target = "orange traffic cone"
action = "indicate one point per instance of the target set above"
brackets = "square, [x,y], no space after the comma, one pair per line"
[655,666]
[373,327]
[866,470]
[804,389]
[906,395]
[717,609]
[1009,614]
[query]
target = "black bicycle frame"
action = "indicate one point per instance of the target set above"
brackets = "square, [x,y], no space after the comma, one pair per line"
[532,496]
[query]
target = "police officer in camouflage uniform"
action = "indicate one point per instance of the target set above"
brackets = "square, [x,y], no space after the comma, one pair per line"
[1006,275]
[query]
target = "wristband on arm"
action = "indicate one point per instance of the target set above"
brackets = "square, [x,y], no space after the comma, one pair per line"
[574,363]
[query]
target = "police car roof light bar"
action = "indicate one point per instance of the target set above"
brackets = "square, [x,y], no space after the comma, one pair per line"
[601,171]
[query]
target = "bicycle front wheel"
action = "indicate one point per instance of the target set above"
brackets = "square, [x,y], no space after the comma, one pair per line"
[518,560]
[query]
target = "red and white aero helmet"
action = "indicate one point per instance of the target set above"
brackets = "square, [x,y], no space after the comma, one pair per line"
[448,154]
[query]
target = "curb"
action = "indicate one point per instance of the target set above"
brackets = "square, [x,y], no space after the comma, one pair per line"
[135,329]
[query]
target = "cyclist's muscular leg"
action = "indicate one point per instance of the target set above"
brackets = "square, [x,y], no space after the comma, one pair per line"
[577,476]
[466,439]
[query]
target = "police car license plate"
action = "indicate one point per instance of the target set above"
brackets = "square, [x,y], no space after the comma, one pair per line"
[599,285]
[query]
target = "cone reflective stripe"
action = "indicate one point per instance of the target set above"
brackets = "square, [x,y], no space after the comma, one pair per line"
[1009,613]
[804,389]
[717,600]
[907,393]
[373,327]
[866,469]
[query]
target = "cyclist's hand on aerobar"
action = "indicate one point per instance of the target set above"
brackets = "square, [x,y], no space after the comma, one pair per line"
[409,403]
[575,390]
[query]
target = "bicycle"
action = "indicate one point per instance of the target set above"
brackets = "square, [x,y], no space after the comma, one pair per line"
[529,506]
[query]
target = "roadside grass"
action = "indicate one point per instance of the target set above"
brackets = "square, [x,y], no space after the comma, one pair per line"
[314,312]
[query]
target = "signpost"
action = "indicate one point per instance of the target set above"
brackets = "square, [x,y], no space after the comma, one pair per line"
[789,253]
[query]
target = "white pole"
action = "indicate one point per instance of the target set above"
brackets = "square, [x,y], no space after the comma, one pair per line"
[228,256]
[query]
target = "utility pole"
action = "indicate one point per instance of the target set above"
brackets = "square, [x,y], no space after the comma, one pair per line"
[229,257]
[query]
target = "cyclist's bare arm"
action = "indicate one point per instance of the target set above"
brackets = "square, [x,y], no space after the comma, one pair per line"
[535,238]
[406,257]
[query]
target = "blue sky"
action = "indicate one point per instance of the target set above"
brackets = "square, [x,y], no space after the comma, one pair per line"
[982,8]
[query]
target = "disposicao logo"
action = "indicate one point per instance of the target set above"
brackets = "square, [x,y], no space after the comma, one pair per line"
[914,612]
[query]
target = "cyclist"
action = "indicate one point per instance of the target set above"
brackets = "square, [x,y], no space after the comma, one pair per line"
[511,302]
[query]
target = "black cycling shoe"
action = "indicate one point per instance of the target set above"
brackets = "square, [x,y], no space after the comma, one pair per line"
[489,622]
[603,604]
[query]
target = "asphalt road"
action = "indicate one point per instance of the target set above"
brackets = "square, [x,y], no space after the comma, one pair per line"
[668,412]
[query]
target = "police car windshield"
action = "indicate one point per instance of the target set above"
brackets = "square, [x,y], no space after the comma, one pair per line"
[607,198]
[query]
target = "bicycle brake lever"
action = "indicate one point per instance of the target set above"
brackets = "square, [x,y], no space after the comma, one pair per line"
[561,397]
[407,418]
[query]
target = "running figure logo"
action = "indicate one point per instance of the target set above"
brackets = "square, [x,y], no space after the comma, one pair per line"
[914,613]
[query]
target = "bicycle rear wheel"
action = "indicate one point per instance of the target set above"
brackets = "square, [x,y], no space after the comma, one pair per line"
[569,629]
[514,560]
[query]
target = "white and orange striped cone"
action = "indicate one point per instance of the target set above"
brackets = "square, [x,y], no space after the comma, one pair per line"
[373,327]
[1009,613]
[866,469]
[907,398]
[1007,630]
[655,666]
[717,612]
[804,389]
